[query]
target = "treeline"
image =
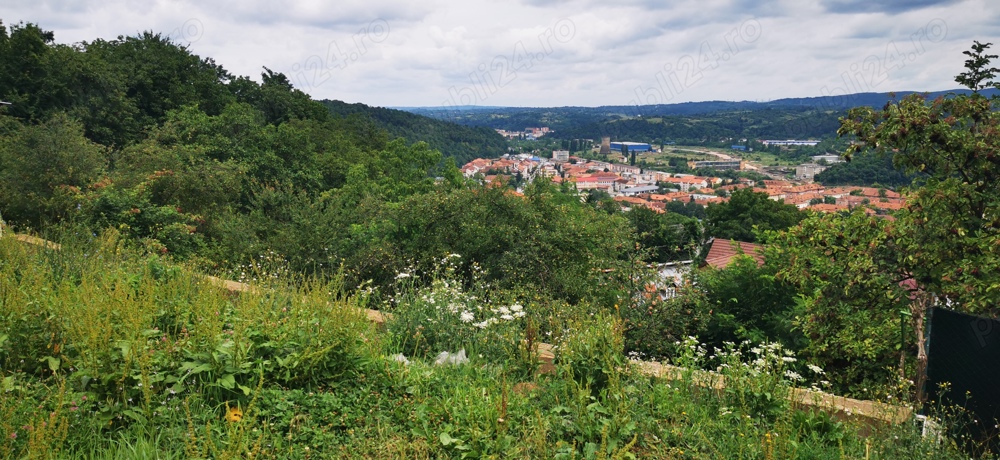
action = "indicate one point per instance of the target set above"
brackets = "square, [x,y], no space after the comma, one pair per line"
[694,123]
[719,128]
[865,169]
[463,143]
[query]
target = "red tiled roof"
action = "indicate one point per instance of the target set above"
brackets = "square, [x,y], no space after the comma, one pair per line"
[722,252]
[823,207]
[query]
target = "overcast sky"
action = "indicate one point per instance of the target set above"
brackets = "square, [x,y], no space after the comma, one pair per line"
[554,52]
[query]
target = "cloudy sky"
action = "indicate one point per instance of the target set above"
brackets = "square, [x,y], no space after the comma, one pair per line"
[554,52]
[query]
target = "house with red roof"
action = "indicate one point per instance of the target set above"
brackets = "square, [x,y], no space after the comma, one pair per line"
[721,252]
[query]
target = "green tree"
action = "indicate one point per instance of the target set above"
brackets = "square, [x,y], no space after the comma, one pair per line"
[746,210]
[953,217]
[846,270]
[667,236]
[160,76]
[750,303]
[44,167]
[859,273]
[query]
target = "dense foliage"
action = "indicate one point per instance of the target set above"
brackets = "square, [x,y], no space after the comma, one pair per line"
[463,143]
[747,212]
[108,353]
[189,161]
[865,169]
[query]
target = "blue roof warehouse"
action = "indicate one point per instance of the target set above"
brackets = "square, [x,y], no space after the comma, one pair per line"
[632,146]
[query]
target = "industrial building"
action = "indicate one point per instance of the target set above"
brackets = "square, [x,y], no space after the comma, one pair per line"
[632,146]
[770,142]
[718,165]
[831,159]
[808,171]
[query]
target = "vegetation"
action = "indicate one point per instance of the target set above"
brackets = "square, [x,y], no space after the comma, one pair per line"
[865,169]
[152,166]
[747,212]
[292,369]
[220,170]
[462,143]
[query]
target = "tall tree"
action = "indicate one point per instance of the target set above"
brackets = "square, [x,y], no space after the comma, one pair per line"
[746,210]
[43,166]
[940,249]
[953,218]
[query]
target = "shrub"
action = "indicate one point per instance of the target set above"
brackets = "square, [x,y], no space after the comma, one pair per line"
[444,316]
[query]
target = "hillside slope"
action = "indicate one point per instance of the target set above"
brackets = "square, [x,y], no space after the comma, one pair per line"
[463,143]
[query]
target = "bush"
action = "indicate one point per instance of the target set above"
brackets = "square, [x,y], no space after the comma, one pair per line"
[443,316]
[652,326]
[135,337]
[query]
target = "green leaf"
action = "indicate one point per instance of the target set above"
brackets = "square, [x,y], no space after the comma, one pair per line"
[227,381]
[195,368]
[53,363]
[446,439]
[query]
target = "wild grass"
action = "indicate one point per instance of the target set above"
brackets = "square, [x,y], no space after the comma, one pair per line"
[111,353]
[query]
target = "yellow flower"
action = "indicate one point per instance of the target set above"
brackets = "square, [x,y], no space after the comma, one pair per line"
[233,414]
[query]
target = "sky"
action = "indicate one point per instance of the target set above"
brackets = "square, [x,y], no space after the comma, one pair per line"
[547,53]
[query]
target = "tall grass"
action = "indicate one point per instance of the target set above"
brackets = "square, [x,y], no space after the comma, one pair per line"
[108,353]
[130,339]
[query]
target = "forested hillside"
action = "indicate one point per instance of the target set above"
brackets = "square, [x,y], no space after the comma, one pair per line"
[141,137]
[780,123]
[865,169]
[463,143]
[689,123]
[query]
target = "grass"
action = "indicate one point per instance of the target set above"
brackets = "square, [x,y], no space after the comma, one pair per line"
[109,353]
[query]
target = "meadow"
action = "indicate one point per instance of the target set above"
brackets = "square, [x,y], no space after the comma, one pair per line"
[108,352]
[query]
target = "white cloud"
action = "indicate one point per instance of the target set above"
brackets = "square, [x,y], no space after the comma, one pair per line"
[552,53]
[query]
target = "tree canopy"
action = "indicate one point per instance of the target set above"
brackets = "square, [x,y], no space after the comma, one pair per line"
[746,211]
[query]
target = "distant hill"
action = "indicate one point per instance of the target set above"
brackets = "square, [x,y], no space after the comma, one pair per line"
[561,118]
[693,123]
[464,143]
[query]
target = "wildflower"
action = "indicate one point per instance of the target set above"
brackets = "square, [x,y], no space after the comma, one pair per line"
[506,317]
[793,376]
[503,310]
[788,359]
[402,275]
[234,414]
[467,317]
[816,369]
[516,308]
